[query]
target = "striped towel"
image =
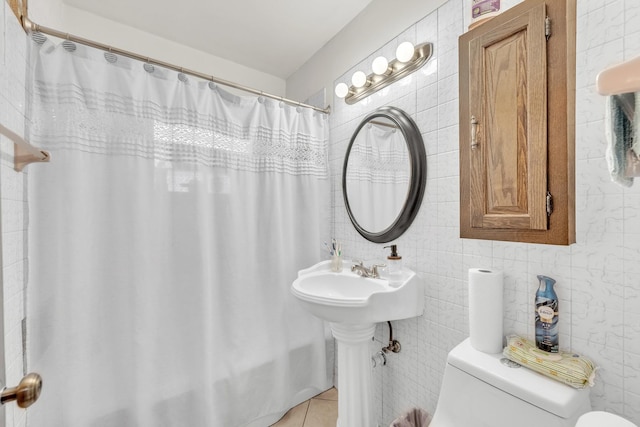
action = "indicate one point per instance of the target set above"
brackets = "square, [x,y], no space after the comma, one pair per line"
[569,368]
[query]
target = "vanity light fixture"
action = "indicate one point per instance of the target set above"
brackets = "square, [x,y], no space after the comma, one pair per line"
[342,90]
[408,59]
[380,66]
[405,52]
[359,79]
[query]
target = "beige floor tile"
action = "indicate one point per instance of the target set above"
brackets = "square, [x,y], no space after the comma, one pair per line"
[331,394]
[322,413]
[295,417]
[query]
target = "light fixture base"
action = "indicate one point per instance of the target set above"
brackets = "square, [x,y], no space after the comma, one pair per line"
[423,53]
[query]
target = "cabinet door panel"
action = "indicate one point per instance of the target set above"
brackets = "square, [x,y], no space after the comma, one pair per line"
[517,125]
[508,97]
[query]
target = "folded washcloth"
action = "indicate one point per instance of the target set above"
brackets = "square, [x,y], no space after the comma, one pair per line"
[569,368]
[415,417]
[621,123]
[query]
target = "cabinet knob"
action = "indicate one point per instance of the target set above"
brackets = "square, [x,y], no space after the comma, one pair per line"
[474,132]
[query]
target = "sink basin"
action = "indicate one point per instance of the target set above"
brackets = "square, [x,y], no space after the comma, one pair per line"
[346,297]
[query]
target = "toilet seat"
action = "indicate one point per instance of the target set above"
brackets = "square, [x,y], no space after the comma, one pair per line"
[599,419]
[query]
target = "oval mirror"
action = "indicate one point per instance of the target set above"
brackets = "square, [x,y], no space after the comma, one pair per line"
[384,174]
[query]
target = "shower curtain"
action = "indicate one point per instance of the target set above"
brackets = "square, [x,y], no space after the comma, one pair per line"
[163,238]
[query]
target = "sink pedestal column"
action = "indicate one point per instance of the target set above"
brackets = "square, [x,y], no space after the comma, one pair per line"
[355,394]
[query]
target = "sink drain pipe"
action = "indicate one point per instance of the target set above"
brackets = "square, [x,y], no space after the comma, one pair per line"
[394,345]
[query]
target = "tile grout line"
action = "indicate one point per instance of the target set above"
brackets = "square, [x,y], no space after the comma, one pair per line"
[306,412]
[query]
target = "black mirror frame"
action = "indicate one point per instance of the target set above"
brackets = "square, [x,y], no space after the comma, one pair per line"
[418,162]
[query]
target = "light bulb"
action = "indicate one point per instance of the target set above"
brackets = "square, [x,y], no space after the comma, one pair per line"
[342,90]
[405,52]
[359,79]
[380,65]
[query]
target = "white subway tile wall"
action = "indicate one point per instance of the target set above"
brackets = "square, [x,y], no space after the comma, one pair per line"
[598,277]
[13,63]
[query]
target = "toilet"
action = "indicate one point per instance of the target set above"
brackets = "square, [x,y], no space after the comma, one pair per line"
[487,390]
[599,419]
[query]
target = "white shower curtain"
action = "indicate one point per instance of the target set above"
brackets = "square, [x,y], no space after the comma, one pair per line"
[163,238]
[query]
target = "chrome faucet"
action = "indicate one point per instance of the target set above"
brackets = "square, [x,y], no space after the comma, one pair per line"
[363,271]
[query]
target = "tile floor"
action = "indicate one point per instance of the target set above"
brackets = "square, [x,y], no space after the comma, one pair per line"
[320,411]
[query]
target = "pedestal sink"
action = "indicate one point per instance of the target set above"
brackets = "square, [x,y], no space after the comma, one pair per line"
[353,305]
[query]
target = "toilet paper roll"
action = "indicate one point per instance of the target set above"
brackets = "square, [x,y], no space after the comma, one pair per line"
[486,308]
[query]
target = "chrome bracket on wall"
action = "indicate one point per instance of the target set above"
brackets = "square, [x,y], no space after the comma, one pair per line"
[24,153]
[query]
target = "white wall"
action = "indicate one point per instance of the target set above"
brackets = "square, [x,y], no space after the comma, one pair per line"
[59,16]
[12,202]
[598,277]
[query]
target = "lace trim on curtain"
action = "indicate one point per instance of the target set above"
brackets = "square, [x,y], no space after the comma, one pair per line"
[381,166]
[108,123]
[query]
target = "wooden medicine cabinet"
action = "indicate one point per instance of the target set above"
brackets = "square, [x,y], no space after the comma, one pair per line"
[517,125]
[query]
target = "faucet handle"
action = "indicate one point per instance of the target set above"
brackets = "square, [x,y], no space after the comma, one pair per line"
[357,262]
[374,270]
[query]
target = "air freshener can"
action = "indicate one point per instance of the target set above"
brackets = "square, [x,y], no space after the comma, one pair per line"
[547,316]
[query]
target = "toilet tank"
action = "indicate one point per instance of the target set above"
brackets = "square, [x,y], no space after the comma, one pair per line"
[479,390]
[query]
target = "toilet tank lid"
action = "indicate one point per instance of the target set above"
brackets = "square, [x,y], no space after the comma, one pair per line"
[532,387]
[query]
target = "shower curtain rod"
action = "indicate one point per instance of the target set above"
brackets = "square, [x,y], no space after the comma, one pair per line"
[32,27]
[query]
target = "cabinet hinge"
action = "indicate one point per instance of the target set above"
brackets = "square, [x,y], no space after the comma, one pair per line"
[547,28]
[549,203]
